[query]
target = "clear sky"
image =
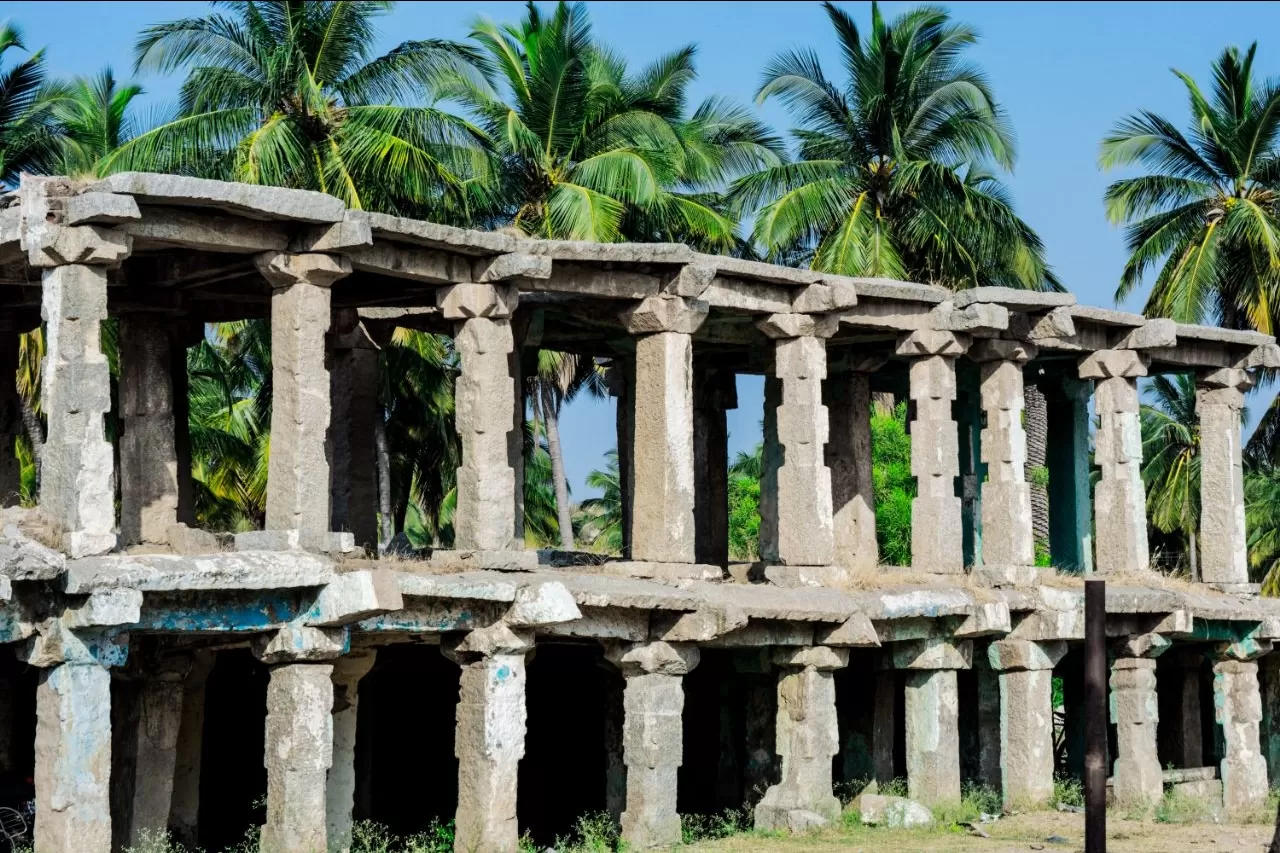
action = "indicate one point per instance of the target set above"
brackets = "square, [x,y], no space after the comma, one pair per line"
[1064,71]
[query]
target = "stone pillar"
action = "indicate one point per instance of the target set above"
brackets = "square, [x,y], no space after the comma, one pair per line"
[760,706]
[298,471]
[1120,503]
[808,737]
[1007,537]
[10,420]
[653,739]
[489,741]
[1026,718]
[341,784]
[884,725]
[353,471]
[299,754]
[73,738]
[1219,403]
[485,403]
[1067,457]
[848,455]
[299,737]
[770,462]
[1189,736]
[148,453]
[662,513]
[1135,712]
[184,808]
[804,525]
[932,706]
[1237,706]
[715,393]
[935,451]
[621,379]
[989,747]
[159,724]
[1269,678]
[615,771]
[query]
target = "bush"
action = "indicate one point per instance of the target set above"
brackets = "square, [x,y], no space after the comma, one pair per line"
[894,484]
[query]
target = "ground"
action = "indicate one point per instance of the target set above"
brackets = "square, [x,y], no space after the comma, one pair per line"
[1010,834]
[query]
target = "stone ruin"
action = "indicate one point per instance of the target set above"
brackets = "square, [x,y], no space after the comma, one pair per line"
[161,675]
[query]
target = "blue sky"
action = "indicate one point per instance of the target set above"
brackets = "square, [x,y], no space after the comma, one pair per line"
[1064,71]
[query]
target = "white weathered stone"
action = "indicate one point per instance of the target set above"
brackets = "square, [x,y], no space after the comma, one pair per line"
[489,743]
[935,452]
[547,603]
[1237,703]
[100,209]
[492,447]
[76,494]
[932,703]
[512,265]
[1026,718]
[931,654]
[1223,546]
[340,784]
[807,739]
[467,301]
[267,202]
[893,812]
[352,596]
[170,572]
[1159,332]
[662,515]
[73,760]
[105,608]
[299,753]
[301,643]
[1135,713]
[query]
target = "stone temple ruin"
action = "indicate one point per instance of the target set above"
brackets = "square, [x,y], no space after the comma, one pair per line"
[162,678]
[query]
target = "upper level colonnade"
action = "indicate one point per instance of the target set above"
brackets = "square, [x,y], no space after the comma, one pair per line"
[166,254]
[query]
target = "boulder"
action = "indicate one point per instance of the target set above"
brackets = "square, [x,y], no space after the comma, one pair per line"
[893,812]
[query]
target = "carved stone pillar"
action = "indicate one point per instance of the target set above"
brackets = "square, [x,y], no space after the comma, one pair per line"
[1223,549]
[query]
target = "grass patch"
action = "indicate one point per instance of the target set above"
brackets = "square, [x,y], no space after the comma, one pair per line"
[1068,790]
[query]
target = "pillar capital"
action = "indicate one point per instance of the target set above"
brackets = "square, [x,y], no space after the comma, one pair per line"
[932,654]
[1225,377]
[659,657]
[999,349]
[498,639]
[820,658]
[56,644]
[1019,655]
[1141,646]
[783,326]
[302,644]
[1113,364]
[664,312]
[469,301]
[285,269]
[927,342]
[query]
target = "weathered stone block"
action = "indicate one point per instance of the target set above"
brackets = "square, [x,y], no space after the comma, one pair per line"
[664,313]
[934,653]
[467,301]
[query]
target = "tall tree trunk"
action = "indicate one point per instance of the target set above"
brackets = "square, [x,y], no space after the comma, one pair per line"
[1193,552]
[883,402]
[1037,427]
[387,527]
[564,515]
[35,432]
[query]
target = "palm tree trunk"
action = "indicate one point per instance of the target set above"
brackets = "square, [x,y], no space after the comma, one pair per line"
[563,511]
[1193,552]
[384,480]
[1037,426]
[35,432]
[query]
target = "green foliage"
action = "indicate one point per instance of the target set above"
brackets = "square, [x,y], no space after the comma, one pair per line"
[744,505]
[894,484]
[1068,790]
[1262,520]
[28,134]
[1176,807]
[894,177]
[369,837]
[600,519]
[1038,475]
[1171,457]
[703,827]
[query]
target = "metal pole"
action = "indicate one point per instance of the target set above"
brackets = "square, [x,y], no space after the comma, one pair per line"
[1095,727]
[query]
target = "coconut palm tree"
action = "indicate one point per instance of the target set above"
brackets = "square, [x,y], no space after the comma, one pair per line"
[560,377]
[1203,216]
[896,173]
[93,120]
[601,524]
[26,103]
[593,151]
[1262,520]
[289,93]
[1171,461]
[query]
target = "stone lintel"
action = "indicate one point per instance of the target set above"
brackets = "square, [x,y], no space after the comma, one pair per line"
[511,265]
[980,317]
[926,342]
[1109,364]
[664,313]
[352,596]
[547,603]
[823,297]
[1056,324]
[104,608]
[987,618]
[1012,655]
[785,326]
[295,643]
[100,209]
[652,658]
[351,232]
[691,281]
[999,349]
[700,626]
[1264,355]
[932,654]
[1015,298]
[1152,334]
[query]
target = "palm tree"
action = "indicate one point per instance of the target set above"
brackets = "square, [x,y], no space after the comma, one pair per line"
[93,121]
[744,504]
[560,377]
[895,174]
[602,517]
[288,93]
[1204,216]
[590,151]
[1262,520]
[1171,460]
[26,103]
